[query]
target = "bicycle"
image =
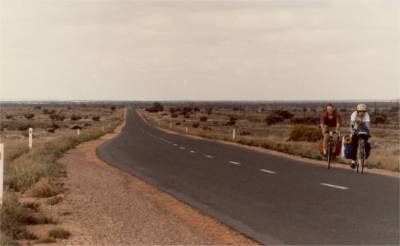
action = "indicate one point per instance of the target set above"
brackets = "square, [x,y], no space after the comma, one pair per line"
[329,148]
[361,152]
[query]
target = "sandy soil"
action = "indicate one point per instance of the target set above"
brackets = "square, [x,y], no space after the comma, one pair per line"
[106,206]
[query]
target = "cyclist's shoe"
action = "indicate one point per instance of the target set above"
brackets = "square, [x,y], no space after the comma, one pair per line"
[353,164]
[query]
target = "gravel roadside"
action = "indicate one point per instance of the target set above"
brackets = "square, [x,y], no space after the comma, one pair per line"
[111,207]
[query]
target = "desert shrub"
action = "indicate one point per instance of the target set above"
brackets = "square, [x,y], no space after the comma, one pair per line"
[51,130]
[174,115]
[283,113]
[38,107]
[173,110]
[44,188]
[207,128]
[75,117]
[196,124]
[304,133]
[59,233]
[54,200]
[14,218]
[9,117]
[29,116]
[273,119]
[48,111]
[157,107]
[57,117]
[245,133]
[232,121]
[186,110]
[379,118]
[178,123]
[209,110]
[76,127]
[24,127]
[96,118]
[305,120]
[186,115]
[203,118]
[87,124]
[113,108]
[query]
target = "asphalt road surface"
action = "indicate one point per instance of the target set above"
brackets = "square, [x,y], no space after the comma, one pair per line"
[272,199]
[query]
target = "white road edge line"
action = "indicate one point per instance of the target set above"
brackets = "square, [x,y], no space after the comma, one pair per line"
[267,171]
[234,163]
[335,186]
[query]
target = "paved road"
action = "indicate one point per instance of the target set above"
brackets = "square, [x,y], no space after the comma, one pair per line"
[271,199]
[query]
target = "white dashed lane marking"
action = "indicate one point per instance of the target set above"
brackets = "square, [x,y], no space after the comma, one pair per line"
[209,156]
[267,171]
[335,186]
[175,145]
[182,147]
[192,151]
[235,163]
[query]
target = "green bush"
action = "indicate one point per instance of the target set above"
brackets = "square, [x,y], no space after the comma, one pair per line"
[304,133]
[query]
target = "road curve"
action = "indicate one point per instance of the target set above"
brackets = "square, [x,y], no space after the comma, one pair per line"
[272,199]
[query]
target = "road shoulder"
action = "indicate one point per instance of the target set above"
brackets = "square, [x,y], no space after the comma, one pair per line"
[108,206]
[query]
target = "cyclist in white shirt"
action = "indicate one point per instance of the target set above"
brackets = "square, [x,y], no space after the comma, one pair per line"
[359,120]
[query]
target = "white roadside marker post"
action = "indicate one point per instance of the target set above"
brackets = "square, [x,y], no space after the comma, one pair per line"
[1,173]
[234,134]
[30,138]
[170,125]
[78,132]
[187,130]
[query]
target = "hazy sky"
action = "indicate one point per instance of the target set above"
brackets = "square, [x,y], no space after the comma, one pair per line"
[199,50]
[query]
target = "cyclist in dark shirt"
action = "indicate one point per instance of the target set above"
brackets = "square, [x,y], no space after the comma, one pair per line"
[330,121]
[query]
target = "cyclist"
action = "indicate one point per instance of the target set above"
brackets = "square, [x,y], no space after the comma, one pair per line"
[359,121]
[330,121]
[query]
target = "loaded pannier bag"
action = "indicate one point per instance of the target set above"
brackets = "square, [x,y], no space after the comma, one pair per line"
[348,148]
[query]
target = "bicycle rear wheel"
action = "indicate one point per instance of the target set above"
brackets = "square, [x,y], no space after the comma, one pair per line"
[362,155]
[329,154]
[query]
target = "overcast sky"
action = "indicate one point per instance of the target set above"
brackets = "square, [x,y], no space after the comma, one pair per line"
[199,50]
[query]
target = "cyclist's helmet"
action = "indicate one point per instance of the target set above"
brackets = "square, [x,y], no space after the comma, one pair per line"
[362,107]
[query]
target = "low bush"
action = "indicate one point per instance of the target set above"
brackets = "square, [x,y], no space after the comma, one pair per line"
[75,117]
[304,133]
[196,124]
[283,113]
[157,107]
[232,121]
[96,118]
[305,120]
[245,133]
[44,188]
[29,116]
[173,115]
[273,119]
[203,118]
[57,117]
[59,233]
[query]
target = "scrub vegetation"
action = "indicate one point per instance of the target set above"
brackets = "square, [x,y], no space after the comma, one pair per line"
[286,127]
[35,175]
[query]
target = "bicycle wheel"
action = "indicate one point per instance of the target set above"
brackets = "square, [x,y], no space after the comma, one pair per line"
[329,154]
[362,155]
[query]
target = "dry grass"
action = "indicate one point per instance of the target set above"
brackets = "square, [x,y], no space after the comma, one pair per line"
[252,130]
[32,172]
